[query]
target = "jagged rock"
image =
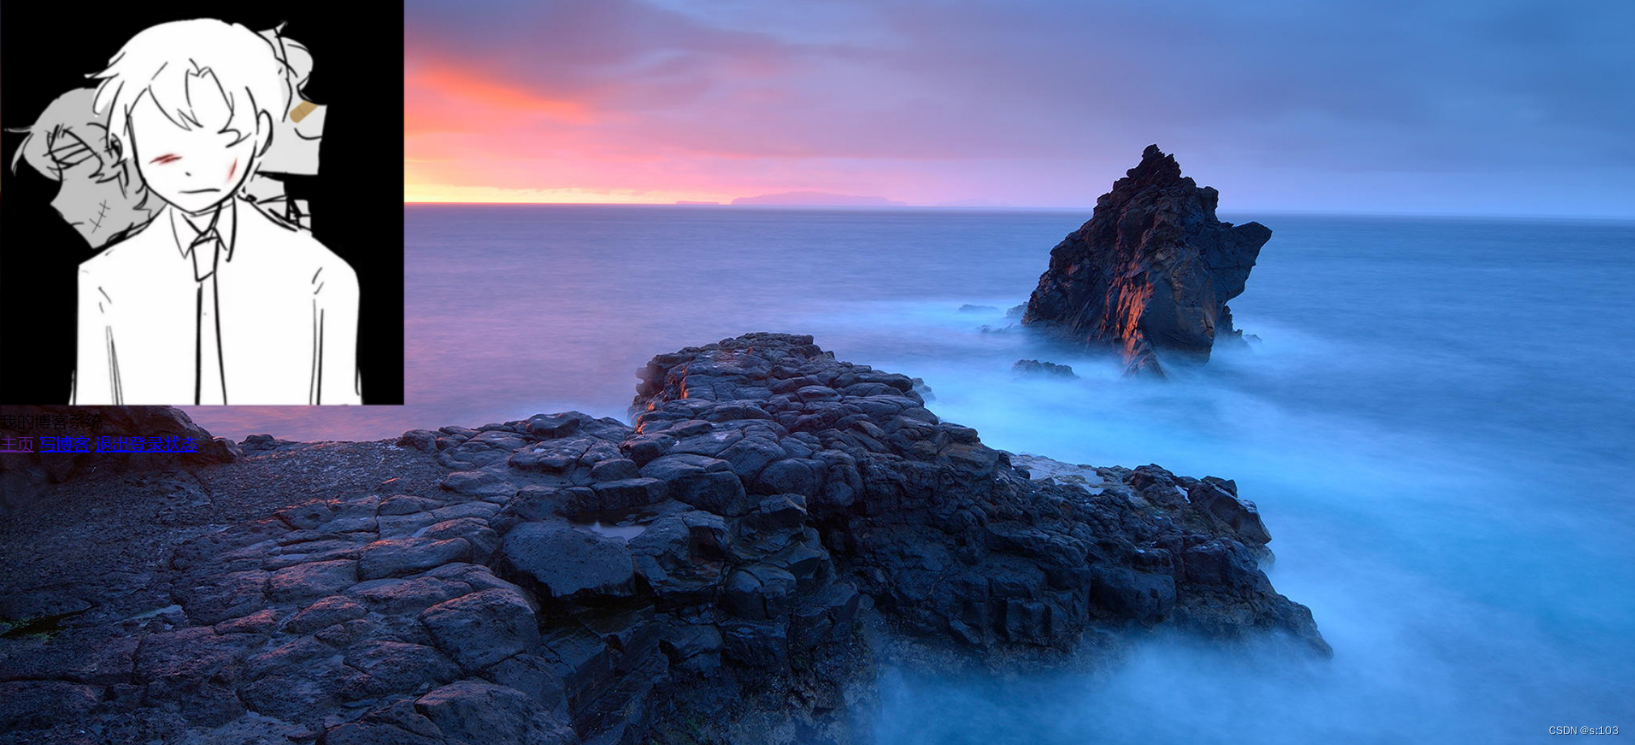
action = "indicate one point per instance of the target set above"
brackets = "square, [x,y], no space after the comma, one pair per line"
[476,712]
[616,497]
[682,555]
[475,531]
[759,591]
[375,730]
[704,575]
[532,675]
[1137,595]
[312,581]
[1035,367]
[194,667]
[477,483]
[307,516]
[406,596]
[554,425]
[36,704]
[298,690]
[1240,515]
[227,596]
[701,481]
[1152,270]
[931,517]
[326,612]
[400,667]
[566,562]
[754,644]
[423,440]
[482,628]
[263,444]
[399,557]
[405,504]
[643,449]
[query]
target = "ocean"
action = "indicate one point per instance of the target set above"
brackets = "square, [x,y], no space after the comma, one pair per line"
[1438,427]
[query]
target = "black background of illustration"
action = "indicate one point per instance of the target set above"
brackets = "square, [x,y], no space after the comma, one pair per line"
[355,201]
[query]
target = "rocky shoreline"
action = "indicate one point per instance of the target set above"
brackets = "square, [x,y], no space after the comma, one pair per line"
[735,567]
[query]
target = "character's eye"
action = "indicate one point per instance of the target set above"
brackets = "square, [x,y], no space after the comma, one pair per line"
[167,158]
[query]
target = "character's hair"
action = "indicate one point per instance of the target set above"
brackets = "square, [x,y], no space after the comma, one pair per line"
[192,69]
[295,58]
[68,132]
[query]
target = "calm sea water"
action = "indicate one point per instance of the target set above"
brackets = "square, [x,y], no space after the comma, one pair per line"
[1437,427]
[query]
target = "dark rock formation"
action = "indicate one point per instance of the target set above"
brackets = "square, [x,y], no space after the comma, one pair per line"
[21,474]
[262,444]
[1151,271]
[1035,367]
[704,576]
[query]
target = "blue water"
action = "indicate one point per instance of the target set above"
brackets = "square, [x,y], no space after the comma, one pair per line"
[1437,428]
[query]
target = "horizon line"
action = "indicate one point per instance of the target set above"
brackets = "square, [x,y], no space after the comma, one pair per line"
[1015,208]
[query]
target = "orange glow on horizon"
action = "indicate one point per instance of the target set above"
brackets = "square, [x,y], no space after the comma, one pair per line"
[452,82]
[471,137]
[448,194]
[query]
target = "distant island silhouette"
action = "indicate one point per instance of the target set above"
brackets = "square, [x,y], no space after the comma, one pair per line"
[816,199]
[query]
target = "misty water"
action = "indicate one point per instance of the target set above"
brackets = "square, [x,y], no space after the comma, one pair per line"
[1437,427]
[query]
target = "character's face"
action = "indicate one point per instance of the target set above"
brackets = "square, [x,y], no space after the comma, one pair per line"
[92,198]
[196,167]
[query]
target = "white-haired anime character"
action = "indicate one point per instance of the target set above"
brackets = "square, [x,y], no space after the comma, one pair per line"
[104,199]
[214,302]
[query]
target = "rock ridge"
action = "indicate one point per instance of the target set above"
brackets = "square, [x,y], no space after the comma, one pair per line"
[715,572]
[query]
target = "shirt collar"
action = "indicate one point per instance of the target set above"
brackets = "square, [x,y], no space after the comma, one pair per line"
[225,223]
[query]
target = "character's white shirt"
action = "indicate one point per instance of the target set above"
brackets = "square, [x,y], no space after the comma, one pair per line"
[288,310]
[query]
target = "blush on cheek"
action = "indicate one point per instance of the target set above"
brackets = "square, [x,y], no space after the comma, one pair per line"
[232,171]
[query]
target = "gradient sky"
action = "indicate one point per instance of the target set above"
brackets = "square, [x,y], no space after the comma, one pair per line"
[1411,106]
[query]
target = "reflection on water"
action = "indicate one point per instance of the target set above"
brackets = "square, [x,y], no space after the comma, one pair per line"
[1436,430]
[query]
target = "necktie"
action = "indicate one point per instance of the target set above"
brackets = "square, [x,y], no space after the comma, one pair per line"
[211,383]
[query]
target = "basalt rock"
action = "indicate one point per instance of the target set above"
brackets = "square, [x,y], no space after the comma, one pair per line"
[1151,272]
[947,538]
[710,574]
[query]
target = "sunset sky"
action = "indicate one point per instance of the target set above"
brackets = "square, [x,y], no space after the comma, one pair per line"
[1482,107]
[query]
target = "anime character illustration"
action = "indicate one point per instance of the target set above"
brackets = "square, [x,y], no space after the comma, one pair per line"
[213,301]
[104,199]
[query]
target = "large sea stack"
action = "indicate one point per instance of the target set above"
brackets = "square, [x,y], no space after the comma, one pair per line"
[1151,271]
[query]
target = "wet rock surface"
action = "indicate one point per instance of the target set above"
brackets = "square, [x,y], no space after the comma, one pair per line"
[1150,272]
[722,571]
